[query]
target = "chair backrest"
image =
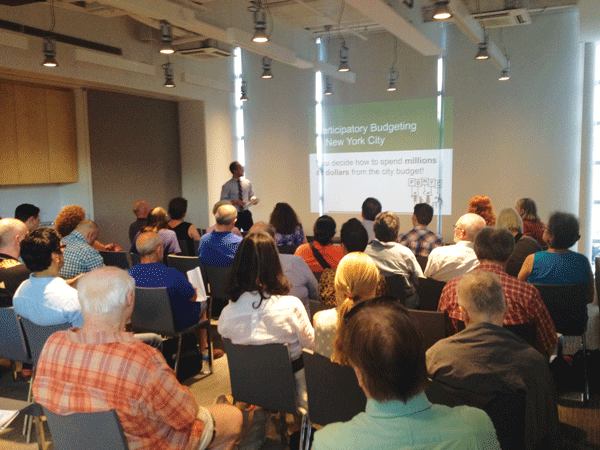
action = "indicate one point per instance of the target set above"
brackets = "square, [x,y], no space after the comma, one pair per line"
[217,278]
[183,263]
[524,330]
[567,305]
[152,311]
[396,286]
[135,259]
[514,267]
[506,410]
[262,375]
[37,335]
[185,251]
[86,431]
[422,260]
[429,291]
[287,249]
[431,323]
[13,345]
[333,391]
[316,306]
[196,246]
[117,259]
[597,275]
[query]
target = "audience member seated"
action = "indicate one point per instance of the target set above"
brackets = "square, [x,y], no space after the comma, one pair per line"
[218,247]
[45,298]
[157,222]
[451,261]
[386,351]
[99,367]
[482,206]
[487,359]
[141,208]
[303,282]
[216,206]
[356,280]
[493,247]
[261,311]
[370,208]
[524,245]
[288,229]
[29,215]
[392,258]
[532,224]
[185,231]
[67,220]
[12,272]
[559,265]
[420,240]
[354,239]
[321,254]
[79,255]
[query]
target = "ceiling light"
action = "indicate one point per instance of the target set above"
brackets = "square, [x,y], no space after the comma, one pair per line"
[393,77]
[244,97]
[344,66]
[266,61]
[482,53]
[328,86]
[166,38]
[441,11]
[505,75]
[260,22]
[169,76]
[49,53]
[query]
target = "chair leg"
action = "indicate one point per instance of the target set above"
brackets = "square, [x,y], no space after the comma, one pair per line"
[283,428]
[26,418]
[305,432]
[178,354]
[586,387]
[210,349]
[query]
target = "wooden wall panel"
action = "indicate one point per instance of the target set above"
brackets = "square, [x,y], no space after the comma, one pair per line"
[62,142]
[32,134]
[9,166]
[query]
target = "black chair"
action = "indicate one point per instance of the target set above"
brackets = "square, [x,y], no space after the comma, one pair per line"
[13,345]
[526,331]
[422,260]
[287,249]
[215,280]
[135,259]
[597,275]
[185,251]
[514,267]
[86,431]
[30,409]
[396,286]
[431,323]
[196,246]
[567,305]
[183,263]
[333,391]
[316,306]
[429,291]
[117,259]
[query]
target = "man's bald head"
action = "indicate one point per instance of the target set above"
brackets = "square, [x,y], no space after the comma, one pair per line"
[467,227]
[89,230]
[147,243]
[12,232]
[141,208]
[226,215]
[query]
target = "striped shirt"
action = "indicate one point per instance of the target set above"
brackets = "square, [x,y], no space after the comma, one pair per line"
[421,241]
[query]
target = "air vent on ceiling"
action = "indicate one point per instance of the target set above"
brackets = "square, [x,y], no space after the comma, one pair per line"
[204,49]
[503,18]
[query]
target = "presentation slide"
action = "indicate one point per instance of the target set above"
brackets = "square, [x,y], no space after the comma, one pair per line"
[387,150]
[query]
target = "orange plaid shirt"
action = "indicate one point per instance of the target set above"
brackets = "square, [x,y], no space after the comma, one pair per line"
[92,372]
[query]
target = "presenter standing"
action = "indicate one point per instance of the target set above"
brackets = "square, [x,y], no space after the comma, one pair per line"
[239,192]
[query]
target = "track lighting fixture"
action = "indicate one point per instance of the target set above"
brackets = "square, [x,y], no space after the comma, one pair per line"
[482,53]
[328,86]
[169,76]
[244,97]
[505,75]
[260,22]
[166,38]
[393,78]
[441,11]
[49,53]
[266,61]
[344,66]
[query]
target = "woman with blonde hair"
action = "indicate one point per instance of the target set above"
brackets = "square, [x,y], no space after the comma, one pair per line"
[356,280]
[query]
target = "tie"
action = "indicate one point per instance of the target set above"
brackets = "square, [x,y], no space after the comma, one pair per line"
[240,197]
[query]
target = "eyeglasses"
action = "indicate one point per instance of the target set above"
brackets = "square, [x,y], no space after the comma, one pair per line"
[372,302]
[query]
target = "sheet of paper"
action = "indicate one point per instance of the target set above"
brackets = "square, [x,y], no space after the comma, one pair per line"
[252,202]
[195,278]
[6,417]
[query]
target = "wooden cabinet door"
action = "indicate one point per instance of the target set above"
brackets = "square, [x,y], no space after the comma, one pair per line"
[9,156]
[62,142]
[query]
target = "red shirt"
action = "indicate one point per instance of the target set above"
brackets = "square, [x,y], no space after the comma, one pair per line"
[523,304]
[534,230]
[93,372]
[333,254]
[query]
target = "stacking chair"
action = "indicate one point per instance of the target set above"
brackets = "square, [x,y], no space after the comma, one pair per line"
[185,251]
[86,431]
[597,275]
[429,291]
[216,278]
[30,409]
[524,330]
[567,305]
[333,392]
[513,268]
[117,259]
[152,313]
[396,286]
[287,249]
[183,263]
[196,246]
[422,260]
[316,306]
[13,345]
[431,323]
[135,259]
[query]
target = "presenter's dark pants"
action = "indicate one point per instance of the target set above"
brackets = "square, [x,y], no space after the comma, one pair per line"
[244,220]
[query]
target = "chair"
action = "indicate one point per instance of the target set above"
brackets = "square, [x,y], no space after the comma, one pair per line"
[567,305]
[37,335]
[333,392]
[196,246]
[422,260]
[316,306]
[524,330]
[216,278]
[597,275]
[13,345]
[431,323]
[152,313]
[185,251]
[183,263]
[30,409]
[86,431]
[396,285]
[514,267]
[429,291]
[135,259]
[287,249]
[117,259]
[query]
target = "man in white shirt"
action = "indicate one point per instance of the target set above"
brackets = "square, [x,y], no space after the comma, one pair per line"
[239,192]
[453,261]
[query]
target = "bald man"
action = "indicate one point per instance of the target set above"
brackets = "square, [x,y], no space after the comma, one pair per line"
[12,272]
[218,248]
[141,208]
[80,256]
[451,261]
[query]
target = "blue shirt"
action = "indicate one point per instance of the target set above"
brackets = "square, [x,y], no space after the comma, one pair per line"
[48,301]
[559,268]
[185,313]
[218,248]
[394,425]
